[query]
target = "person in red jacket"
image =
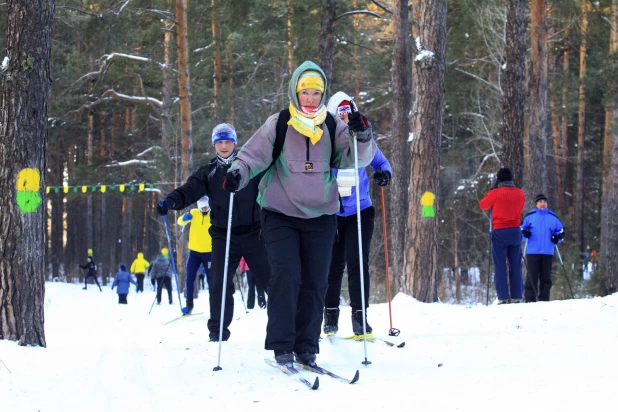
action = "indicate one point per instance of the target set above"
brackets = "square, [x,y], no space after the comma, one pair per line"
[507,204]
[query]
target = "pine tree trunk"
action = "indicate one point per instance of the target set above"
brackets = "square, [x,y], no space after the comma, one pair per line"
[24,94]
[184,91]
[400,149]
[609,202]
[562,148]
[581,133]
[514,89]
[536,173]
[291,40]
[216,59]
[327,41]
[421,242]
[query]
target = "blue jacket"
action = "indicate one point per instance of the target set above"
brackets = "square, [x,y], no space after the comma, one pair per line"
[379,162]
[542,224]
[122,281]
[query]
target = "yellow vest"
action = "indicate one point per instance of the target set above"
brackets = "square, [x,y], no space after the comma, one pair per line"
[140,264]
[199,238]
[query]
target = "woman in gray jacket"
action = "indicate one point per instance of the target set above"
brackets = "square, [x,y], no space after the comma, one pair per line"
[297,148]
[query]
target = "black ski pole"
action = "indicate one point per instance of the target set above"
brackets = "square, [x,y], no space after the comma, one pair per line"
[536,295]
[159,287]
[565,274]
[488,260]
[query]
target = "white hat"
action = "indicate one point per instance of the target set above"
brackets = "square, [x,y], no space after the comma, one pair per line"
[203,202]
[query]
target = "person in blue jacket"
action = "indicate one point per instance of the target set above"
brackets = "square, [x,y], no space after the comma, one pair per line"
[543,231]
[122,280]
[345,248]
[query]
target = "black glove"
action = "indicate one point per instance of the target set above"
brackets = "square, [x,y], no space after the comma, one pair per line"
[382,177]
[164,206]
[526,233]
[231,181]
[555,239]
[357,122]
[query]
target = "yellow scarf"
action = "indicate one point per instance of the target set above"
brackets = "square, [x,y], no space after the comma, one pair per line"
[308,124]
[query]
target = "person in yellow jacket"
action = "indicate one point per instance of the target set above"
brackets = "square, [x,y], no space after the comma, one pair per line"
[200,245]
[138,268]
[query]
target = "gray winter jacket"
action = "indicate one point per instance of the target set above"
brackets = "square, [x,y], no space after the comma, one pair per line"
[160,267]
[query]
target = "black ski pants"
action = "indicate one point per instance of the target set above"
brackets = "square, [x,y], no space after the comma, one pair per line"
[164,282]
[247,242]
[122,298]
[539,277]
[140,282]
[299,252]
[345,249]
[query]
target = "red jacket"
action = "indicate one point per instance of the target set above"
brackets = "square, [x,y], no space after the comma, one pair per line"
[243,265]
[507,205]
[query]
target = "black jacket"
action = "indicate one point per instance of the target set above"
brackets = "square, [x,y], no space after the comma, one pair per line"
[208,180]
[91,266]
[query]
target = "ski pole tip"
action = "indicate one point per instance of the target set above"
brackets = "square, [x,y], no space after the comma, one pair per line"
[217,368]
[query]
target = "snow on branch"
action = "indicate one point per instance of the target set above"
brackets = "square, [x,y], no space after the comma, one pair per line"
[108,59]
[112,94]
[147,151]
[129,162]
[381,6]
[422,53]
[348,13]
[201,49]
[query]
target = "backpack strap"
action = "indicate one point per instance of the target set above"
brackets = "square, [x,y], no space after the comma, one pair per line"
[331,125]
[281,130]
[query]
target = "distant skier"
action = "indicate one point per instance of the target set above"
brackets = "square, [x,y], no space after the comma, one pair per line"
[507,204]
[122,280]
[252,285]
[161,271]
[92,272]
[139,267]
[200,245]
[543,231]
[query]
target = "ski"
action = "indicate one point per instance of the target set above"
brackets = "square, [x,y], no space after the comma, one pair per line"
[370,338]
[183,316]
[293,373]
[319,370]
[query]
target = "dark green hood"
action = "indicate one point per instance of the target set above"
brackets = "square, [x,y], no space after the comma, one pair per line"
[308,65]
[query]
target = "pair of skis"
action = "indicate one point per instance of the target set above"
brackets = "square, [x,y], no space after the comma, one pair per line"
[370,338]
[291,370]
[183,316]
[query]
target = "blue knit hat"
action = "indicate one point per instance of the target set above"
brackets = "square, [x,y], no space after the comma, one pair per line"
[123,268]
[224,131]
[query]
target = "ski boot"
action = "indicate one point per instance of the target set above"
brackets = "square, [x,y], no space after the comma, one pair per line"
[331,320]
[284,357]
[189,307]
[357,323]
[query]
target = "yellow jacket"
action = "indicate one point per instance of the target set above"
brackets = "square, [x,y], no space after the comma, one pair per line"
[140,264]
[199,238]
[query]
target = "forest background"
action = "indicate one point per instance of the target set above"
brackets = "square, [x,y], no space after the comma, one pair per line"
[454,90]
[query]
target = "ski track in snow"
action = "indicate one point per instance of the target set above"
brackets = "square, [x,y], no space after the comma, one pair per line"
[101,356]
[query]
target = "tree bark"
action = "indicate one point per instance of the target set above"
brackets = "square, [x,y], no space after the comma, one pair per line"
[536,173]
[400,149]
[327,41]
[24,94]
[291,40]
[609,200]
[421,241]
[581,132]
[216,59]
[184,90]
[514,89]
[562,148]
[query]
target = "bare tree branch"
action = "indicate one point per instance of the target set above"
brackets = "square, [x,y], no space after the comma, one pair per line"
[165,14]
[493,86]
[381,6]
[350,13]
[77,10]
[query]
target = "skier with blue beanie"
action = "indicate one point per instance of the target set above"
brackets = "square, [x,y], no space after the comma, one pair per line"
[245,237]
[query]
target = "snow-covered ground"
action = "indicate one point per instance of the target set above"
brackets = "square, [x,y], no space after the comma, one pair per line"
[101,356]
